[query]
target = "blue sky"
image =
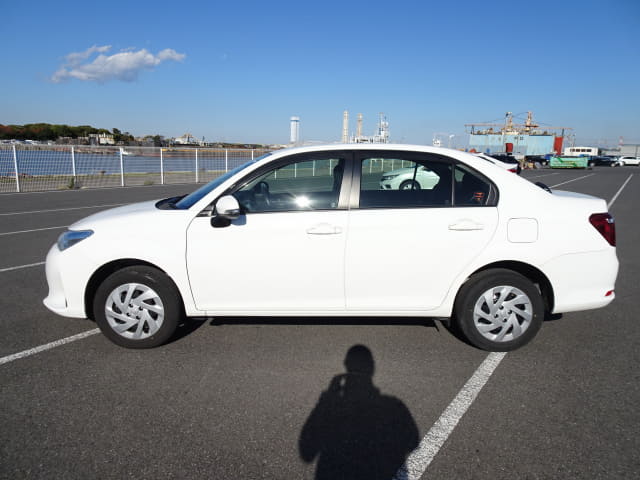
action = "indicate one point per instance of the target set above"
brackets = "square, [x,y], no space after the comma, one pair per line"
[236,71]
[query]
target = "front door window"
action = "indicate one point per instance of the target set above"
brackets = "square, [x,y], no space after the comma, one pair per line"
[304,185]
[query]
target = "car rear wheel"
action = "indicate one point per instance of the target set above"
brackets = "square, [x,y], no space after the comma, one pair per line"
[138,307]
[499,310]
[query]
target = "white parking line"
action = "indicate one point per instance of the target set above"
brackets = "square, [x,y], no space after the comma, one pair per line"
[569,181]
[97,189]
[48,346]
[34,230]
[430,445]
[63,209]
[545,175]
[8,269]
[615,197]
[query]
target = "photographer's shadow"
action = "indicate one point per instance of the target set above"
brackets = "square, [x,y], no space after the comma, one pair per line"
[354,431]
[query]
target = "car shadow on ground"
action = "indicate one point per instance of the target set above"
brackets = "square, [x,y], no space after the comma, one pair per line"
[190,325]
[218,321]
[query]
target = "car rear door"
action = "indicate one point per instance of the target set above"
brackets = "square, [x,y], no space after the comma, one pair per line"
[404,249]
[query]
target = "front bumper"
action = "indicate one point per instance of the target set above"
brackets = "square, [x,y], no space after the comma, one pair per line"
[65,291]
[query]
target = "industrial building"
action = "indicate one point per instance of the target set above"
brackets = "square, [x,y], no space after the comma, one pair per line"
[522,140]
[624,150]
[381,135]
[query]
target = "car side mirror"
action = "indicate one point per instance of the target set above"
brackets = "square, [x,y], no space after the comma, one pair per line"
[227,207]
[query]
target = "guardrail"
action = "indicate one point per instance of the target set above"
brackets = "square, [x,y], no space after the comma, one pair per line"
[30,168]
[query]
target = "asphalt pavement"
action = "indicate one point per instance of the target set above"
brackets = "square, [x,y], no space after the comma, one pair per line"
[261,398]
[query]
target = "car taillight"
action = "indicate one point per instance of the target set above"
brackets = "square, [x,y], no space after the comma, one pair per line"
[514,170]
[606,225]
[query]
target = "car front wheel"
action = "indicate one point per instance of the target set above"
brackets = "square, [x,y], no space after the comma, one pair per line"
[499,310]
[137,307]
[409,185]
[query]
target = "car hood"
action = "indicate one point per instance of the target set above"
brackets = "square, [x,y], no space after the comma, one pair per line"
[115,214]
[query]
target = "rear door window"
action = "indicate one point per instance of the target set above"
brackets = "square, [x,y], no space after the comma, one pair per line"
[401,181]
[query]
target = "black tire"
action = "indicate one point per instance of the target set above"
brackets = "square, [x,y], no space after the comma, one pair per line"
[154,308]
[527,313]
[409,185]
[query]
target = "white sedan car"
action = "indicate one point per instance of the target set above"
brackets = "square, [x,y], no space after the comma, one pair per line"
[309,232]
[627,160]
[409,179]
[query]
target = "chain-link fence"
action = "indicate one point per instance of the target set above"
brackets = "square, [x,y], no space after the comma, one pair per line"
[30,168]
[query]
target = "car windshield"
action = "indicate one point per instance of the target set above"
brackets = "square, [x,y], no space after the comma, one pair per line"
[194,197]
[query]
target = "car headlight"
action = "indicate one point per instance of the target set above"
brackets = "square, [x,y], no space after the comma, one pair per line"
[71,237]
[388,177]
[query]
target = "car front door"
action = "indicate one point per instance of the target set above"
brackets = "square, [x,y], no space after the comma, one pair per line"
[286,251]
[407,245]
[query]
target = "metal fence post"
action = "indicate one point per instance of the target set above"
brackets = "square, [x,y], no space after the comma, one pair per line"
[226,160]
[15,166]
[73,164]
[121,169]
[161,167]
[252,154]
[196,165]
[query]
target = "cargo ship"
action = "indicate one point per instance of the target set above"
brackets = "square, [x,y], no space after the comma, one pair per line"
[523,140]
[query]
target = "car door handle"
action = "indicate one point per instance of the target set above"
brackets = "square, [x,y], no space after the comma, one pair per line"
[466,225]
[324,229]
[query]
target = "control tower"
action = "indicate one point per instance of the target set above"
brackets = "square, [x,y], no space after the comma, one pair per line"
[295,131]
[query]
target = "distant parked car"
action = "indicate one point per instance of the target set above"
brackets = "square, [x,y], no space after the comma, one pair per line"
[536,159]
[627,160]
[308,232]
[603,161]
[409,179]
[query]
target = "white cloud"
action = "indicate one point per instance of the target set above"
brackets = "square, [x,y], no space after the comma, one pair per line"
[124,66]
[77,58]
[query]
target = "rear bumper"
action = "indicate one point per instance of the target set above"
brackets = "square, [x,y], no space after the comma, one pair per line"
[582,281]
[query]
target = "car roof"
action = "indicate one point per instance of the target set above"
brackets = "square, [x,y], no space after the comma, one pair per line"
[367,146]
[457,154]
